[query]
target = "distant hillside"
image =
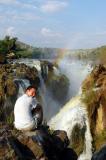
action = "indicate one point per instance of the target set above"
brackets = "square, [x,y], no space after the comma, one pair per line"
[98,54]
[95,54]
[12,48]
[36,52]
[24,51]
[24,45]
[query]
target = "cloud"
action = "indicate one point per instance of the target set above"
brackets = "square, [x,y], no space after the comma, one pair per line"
[7,2]
[18,17]
[46,32]
[10,31]
[29,6]
[53,6]
[18,10]
[17,3]
[26,17]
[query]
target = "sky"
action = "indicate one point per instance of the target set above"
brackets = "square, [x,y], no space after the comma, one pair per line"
[73,24]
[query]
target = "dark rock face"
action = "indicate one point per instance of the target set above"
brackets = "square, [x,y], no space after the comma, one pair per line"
[100,155]
[25,72]
[58,85]
[68,154]
[9,87]
[39,144]
[11,76]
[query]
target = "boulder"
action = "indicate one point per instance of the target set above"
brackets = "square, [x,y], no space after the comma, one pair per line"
[101,154]
[39,144]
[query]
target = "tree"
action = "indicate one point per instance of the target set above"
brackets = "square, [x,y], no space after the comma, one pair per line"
[7,45]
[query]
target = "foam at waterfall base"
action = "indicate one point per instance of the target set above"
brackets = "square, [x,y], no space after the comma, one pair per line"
[74,112]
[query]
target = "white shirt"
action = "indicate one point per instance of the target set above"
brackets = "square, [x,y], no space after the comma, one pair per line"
[22,111]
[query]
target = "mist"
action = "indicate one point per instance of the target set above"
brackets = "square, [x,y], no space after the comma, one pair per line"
[76,71]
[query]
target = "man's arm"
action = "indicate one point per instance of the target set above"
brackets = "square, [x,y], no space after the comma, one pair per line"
[38,112]
[34,103]
[38,108]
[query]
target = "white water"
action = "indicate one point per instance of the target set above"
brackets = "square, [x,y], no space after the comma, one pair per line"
[23,84]
[30,63]
[73,113]
[76,71]
[50,106]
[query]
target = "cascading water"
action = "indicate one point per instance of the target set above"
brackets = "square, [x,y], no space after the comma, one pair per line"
[30,63]
[74,111]
[76,71]
[22,85]
[51,106]
[71,114]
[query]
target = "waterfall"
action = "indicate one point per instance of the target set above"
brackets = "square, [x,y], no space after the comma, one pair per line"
[30,63]
[73,113]
[22,85]
[50,106]
[87,152]
[76,71]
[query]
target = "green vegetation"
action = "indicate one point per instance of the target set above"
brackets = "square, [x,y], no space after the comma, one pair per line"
[12,48]
[7,46]
[24,54]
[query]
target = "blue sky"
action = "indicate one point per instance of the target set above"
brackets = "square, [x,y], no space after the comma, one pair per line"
[55,23]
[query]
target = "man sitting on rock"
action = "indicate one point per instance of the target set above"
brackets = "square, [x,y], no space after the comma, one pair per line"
[27,113]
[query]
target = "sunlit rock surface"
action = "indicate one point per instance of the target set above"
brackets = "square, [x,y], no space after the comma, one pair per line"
[94,96]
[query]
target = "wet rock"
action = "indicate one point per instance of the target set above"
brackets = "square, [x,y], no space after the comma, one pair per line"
[100,155]
[58,86]
[68,154]
[38,145]
[61,139]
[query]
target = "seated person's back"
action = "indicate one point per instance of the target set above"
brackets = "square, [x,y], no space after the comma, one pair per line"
[23,110]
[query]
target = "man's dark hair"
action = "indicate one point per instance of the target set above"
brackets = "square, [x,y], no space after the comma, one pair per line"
[30,87]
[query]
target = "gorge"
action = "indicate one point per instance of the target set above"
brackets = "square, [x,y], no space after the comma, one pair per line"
[72,95]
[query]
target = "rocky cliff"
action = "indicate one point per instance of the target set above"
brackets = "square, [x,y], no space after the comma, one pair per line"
[10,74]
[26,146]
[94,96]
[36,145]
